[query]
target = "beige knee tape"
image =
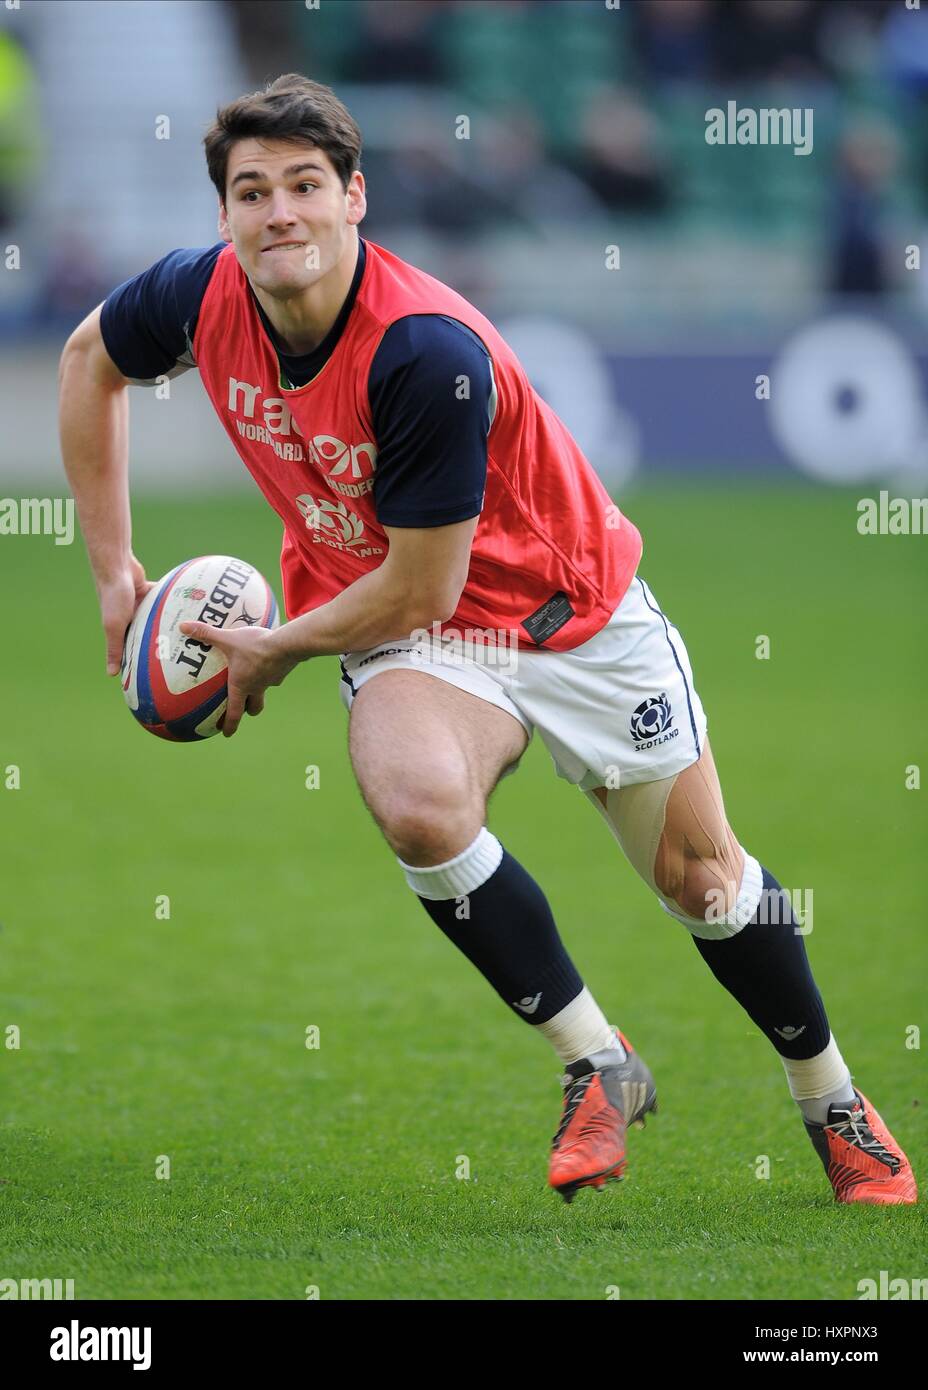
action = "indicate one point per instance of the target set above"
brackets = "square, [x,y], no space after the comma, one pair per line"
[696,829]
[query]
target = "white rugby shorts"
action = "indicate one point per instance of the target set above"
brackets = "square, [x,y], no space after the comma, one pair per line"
[620,708]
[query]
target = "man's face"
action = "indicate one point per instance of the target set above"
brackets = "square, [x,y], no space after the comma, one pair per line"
[277,192]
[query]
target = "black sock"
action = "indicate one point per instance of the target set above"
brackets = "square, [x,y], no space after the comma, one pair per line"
[509,934]
[765,967]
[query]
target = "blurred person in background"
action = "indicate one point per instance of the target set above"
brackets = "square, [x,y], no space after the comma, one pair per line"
[264,29]
[511,183]
[516,176]
[618,154]
[771,39]
[675,38]
[868,157]
[75,275]
[904,49]
[398,43]
[20,142]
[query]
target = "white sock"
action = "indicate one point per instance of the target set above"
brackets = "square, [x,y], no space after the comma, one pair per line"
[746,905]
[459,876]
[815,1083]
[579,1029]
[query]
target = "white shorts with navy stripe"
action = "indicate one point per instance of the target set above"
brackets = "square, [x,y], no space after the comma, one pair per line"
[621,708]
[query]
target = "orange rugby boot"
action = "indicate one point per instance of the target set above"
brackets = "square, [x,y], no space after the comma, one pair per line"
[602,1097]
[862,1159]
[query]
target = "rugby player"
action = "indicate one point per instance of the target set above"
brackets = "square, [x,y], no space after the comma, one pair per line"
[445,537]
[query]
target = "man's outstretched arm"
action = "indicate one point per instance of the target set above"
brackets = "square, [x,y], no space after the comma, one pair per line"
[93,420]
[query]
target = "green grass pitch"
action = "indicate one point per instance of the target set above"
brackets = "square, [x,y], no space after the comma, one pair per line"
[335,1168]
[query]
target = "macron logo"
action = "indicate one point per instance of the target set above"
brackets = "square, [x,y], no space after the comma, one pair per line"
[528,1005]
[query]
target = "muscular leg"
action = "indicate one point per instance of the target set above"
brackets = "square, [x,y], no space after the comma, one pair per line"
[427,755]
[676,836]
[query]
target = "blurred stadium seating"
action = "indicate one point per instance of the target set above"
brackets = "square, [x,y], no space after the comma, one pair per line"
[587,129]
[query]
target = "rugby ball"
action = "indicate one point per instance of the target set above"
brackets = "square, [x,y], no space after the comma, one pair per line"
[174,685]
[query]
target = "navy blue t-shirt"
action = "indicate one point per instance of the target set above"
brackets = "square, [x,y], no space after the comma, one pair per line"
[431,446]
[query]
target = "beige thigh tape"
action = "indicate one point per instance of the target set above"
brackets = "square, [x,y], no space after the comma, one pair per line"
[635,815]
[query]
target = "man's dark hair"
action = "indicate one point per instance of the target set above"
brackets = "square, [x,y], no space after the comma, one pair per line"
[292,108]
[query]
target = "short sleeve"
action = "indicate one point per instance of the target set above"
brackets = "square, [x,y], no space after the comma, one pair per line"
[432,398]
[148,322]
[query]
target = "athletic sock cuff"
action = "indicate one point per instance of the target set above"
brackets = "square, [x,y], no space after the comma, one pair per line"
[462,874]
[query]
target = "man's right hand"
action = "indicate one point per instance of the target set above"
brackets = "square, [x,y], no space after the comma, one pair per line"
[119,597]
